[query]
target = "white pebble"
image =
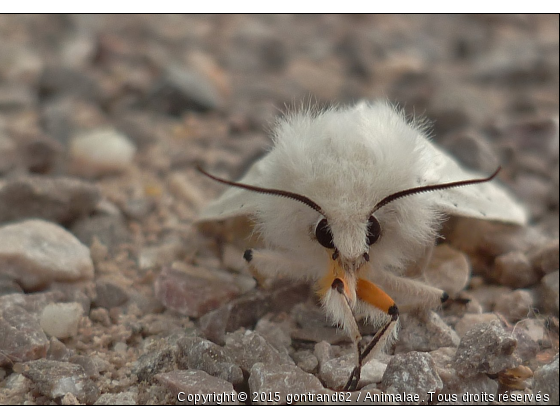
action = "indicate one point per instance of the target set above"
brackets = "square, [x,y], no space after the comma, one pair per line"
[100,152]
[61,320]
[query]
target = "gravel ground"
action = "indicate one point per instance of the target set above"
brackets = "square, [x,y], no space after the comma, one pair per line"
[108,295]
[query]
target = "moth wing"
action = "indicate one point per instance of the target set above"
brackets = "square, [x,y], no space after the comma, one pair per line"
[234,201]
[487,200]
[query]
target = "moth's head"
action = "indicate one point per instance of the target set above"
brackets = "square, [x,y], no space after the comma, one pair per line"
[346,183]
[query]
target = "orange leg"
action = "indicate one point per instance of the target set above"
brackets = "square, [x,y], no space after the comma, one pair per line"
[373,295]
[370,293]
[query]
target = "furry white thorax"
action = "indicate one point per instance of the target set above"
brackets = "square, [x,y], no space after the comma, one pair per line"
[346,161]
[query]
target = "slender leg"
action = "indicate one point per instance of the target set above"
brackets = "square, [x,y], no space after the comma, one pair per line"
[374,296]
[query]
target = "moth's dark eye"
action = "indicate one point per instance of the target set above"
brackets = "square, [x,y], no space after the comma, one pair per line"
[323,234]
[373,230]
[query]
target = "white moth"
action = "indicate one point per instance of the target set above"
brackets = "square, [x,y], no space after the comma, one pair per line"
[348,198]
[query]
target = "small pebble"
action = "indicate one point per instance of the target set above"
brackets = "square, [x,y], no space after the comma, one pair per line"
[485,348]
[57,199]
[267,379]
[120,398]
[61,320]
[21,337]
[38,253]
[111,230]
[247,348]
[412,373]
[161,359]
[546,383]
[181,89]
[191,295]
[197,382]
[306,361]
[55,379]
[247,309]
[200,354]
[110,293]
[101,152]
[424,332]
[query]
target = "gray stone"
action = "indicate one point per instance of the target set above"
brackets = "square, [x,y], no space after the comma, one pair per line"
[191,295]
[21,337]
[335,372]
[485,348]
[55,379]
[92,365]
[247,348]
[413,373]
[68,81]
[546,383]
[306,361]
[276,333]
[111,230]
[38,253]
[273,383]
[475,390]
[161,359]
[57,199]
[246,310]
[121,398]
[478,389]
[515,305]
[185,383]
[180,90]
[200,354]
[424,331]
[109,293]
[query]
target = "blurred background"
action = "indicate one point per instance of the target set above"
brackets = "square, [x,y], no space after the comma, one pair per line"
[207,87]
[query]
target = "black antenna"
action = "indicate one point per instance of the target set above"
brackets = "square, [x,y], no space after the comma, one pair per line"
[426,188]
[271,191]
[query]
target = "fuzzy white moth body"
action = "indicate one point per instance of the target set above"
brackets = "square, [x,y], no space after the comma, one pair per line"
[345,162]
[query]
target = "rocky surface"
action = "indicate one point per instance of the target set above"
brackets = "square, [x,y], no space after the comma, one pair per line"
[110,296]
